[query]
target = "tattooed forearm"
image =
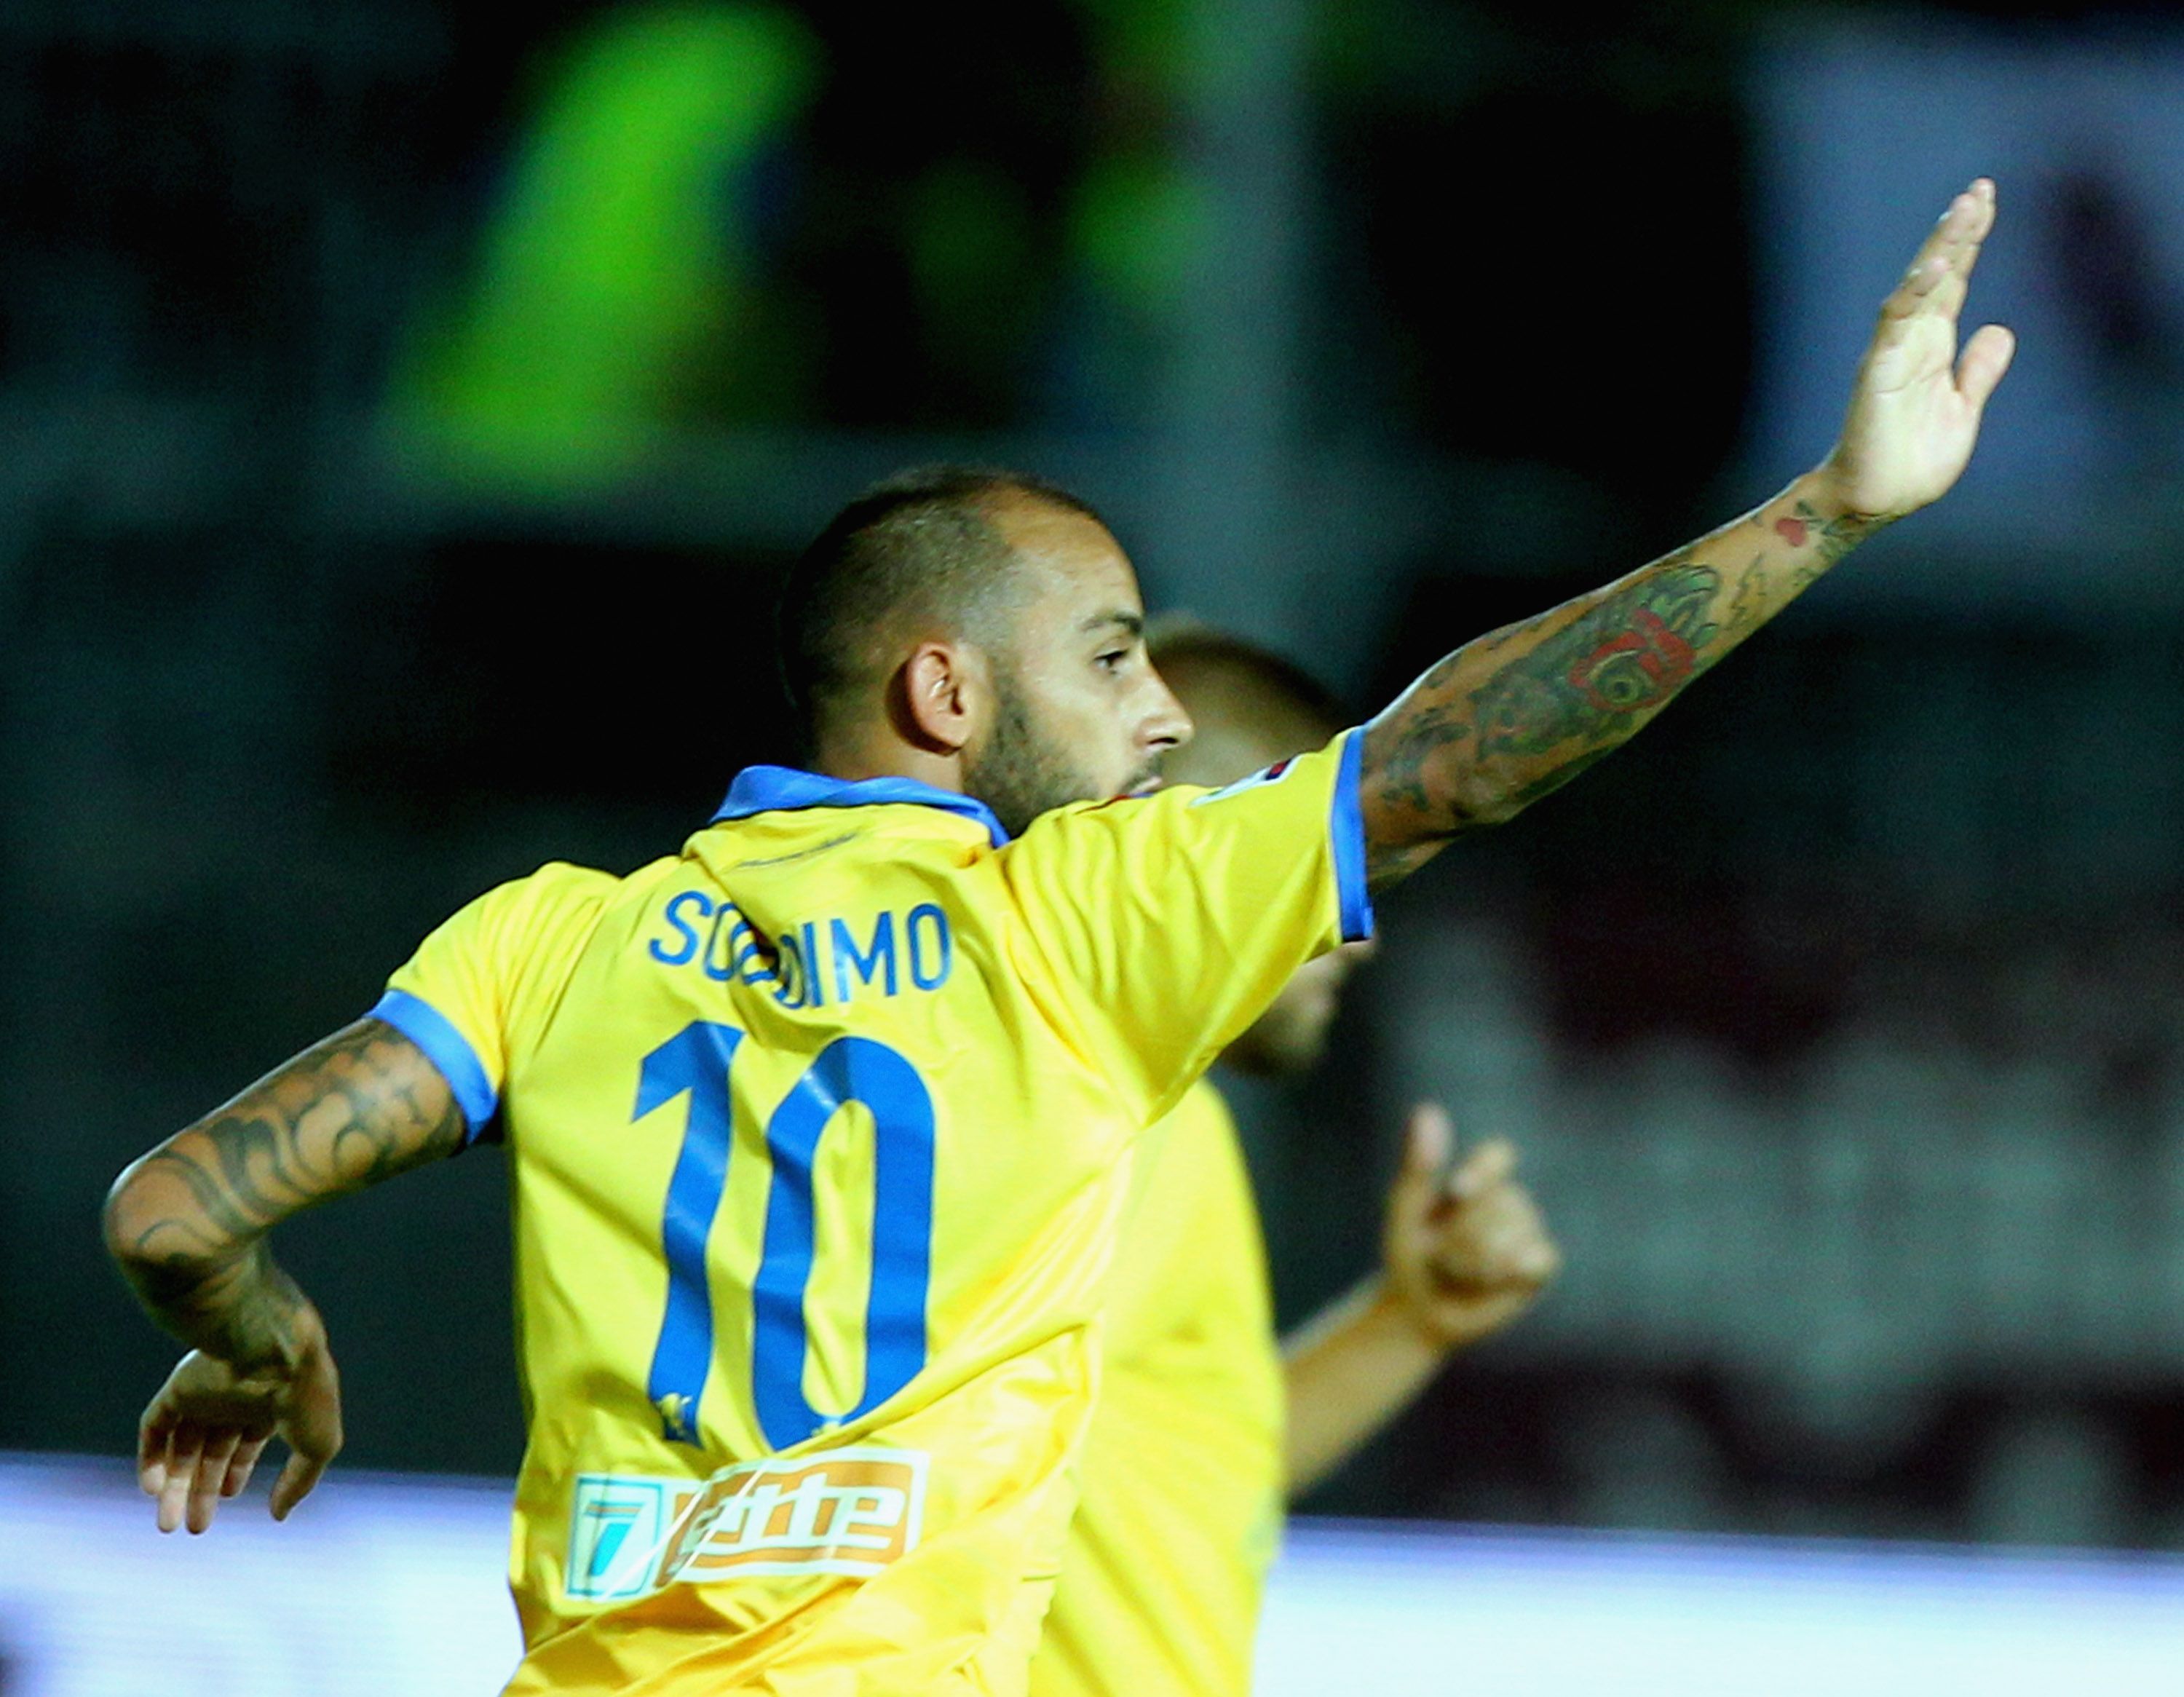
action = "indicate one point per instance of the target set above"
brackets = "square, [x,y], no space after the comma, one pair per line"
[1517,714]
[1477,748]
[1399,751]
[1623,656]
[187,1221]
[1822,540]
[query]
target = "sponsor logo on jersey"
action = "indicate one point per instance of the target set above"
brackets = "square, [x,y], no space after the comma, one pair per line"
[1273,775]
[851,1511]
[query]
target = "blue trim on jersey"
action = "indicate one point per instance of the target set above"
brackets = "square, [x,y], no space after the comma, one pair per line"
[782,789]
[1347,826]
[447,1048]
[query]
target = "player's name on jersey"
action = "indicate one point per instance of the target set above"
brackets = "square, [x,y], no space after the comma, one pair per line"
[851,1511]
[819,963]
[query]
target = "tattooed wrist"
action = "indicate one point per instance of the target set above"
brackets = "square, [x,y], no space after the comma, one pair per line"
[1817,540]
[244,1309]
[264,1329]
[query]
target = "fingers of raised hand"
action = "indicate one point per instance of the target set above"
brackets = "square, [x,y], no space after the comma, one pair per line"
[1417,1192]
[1534,1258]
[1981,224]
[1486,1168]
[1428,1136]
[1502,1243]
[1935,281]
[1985,357]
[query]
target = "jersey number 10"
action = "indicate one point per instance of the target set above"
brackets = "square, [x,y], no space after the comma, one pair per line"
[695,1063]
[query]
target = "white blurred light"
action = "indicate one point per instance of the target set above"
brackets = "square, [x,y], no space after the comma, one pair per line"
[382,1584]
[374,1586]
[1396,1612]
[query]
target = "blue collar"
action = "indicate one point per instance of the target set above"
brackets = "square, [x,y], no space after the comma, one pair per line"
[783,789]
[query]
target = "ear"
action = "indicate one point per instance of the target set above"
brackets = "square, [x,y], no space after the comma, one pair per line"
[944,697]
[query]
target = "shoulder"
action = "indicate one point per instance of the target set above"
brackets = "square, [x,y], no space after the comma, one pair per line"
[551,888]
[524,917]
[562,880]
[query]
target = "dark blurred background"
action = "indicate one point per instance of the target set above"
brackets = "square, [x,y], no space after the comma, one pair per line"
[406,407]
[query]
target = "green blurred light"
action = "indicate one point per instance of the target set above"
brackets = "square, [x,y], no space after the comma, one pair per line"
[616,255]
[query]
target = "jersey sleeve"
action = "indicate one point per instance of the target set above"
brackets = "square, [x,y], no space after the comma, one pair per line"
[1173,921]
[478,982]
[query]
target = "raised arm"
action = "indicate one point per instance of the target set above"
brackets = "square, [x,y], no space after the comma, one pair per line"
[1518,713]
[186,1223]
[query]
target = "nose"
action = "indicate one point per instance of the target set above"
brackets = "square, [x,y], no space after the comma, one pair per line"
[1166,725]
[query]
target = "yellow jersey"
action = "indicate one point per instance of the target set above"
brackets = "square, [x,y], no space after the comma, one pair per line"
[819,1132]
[1180,1479]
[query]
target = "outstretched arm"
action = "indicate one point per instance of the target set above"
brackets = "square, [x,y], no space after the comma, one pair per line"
[1463,1254]
[186,1224]
[1517,714]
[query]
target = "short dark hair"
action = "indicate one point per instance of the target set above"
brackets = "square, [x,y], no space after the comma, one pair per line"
[920,544]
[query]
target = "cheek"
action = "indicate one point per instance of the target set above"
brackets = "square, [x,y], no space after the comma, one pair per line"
[1093,725]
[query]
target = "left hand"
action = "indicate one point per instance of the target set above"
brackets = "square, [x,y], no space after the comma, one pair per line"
[1914,412]
[200,1439]
[1464,1253]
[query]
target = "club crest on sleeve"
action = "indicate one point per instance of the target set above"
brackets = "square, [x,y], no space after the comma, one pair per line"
[1273,775]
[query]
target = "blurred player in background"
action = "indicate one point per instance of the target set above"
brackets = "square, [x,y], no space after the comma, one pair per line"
[821,1129]
[1202,1429]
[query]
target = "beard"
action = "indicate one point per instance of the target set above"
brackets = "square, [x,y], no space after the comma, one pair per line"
[1020,772]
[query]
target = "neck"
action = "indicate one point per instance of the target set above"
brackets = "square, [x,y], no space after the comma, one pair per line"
[875,752]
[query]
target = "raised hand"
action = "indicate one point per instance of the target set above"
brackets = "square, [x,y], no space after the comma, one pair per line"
[206,1429]
[1464,1252]
[1914,412]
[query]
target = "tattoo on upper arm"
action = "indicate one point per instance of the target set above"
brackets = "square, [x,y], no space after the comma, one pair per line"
[351,1111]
[359,1107]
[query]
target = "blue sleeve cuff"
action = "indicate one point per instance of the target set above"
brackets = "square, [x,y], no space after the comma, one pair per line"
[447,1048]
[1347,826]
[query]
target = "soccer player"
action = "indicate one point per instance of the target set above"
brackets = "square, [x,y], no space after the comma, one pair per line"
[1200,1429]
[819,1129]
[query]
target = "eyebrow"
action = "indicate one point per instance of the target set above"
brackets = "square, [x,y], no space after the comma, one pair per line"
[1133,623]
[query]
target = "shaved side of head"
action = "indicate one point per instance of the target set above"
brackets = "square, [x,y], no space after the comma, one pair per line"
[919,555]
